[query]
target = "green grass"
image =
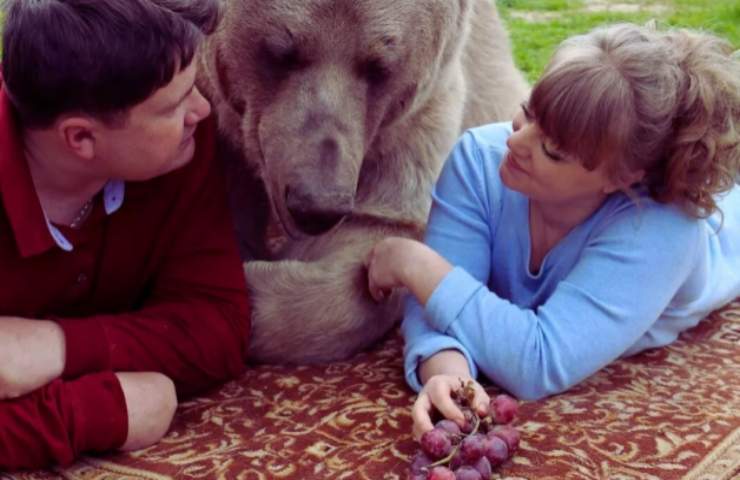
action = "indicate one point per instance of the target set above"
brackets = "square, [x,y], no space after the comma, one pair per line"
[537,26]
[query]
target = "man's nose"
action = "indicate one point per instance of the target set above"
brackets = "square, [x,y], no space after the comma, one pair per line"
[200,108]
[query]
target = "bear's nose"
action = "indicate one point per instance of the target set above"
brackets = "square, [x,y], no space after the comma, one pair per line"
[317,213]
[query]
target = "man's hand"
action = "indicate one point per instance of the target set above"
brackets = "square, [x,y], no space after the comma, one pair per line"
[32,354]
[437,394]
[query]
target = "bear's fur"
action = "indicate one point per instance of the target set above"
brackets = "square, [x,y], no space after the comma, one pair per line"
[335,117]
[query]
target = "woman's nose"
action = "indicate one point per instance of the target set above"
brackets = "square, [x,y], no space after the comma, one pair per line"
[518,142]
[518,120]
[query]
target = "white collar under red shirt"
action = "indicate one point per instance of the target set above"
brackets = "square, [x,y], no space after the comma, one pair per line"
[113,193]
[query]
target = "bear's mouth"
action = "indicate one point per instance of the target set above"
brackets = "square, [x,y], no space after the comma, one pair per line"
[286,221]
[300,220]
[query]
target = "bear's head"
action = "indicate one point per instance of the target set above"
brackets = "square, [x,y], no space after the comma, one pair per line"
[306,89]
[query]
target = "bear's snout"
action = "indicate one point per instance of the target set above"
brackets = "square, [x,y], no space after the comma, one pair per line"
[314,212]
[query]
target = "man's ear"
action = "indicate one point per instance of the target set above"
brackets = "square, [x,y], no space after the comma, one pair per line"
[78,134]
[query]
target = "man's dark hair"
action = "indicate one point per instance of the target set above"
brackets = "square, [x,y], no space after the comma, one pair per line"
[97,57]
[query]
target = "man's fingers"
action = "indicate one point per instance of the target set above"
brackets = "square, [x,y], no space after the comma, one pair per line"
[420,414]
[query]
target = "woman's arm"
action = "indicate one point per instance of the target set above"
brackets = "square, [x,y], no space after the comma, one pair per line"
[421,268]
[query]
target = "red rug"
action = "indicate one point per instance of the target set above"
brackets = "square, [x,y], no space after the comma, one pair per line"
[665,414]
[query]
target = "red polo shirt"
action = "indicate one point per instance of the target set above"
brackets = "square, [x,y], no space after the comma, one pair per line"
[157,285]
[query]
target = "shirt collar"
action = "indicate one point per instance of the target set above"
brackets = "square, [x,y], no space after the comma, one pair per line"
[113,193]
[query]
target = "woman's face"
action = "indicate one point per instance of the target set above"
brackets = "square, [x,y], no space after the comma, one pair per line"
[536,168]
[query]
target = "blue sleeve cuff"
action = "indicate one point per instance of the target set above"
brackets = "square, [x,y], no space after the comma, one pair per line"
[455,290]
[422,342]
[425,348]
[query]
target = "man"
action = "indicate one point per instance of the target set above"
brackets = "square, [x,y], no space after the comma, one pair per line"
[121,286]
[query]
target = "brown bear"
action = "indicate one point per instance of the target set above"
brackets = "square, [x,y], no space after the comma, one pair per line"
[335,118]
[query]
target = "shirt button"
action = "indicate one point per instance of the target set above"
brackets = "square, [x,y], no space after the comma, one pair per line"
[81,278]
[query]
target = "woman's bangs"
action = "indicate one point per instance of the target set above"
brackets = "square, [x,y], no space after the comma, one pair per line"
[576,105]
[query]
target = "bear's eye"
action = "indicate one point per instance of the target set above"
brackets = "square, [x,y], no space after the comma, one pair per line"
[374,71]
[280,56]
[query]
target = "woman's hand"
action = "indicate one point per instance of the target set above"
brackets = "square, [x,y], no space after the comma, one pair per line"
[437,394]
[385,263]
[402,262]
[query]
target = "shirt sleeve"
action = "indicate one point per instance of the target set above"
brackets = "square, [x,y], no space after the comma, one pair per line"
[62,420]
[194,325]
[460,229]
[624,278]
[422,342]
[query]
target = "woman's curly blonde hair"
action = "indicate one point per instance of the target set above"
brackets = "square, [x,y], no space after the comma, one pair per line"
[663,102]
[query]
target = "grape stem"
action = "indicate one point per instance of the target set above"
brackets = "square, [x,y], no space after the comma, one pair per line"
[451,455]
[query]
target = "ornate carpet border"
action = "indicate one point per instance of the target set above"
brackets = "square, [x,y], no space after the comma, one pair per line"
[722,463]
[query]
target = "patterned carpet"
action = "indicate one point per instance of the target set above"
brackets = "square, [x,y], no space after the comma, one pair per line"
[665,414]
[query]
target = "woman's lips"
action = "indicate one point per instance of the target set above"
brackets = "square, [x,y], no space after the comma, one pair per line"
[513,163]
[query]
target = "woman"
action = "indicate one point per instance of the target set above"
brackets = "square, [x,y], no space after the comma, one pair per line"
[606,223]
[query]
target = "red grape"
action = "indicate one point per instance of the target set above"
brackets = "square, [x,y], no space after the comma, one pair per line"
[496,450]
[448,426]
[441,473]
[509,435]
[467,473]
[420,461]
[484,467]
[456,461]
[473,447]
[436,443]
[503,409]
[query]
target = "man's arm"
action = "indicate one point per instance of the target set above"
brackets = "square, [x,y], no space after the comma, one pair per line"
[32,354]
[60,420]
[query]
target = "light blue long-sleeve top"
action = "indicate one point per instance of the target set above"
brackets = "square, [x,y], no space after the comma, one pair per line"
[632,276]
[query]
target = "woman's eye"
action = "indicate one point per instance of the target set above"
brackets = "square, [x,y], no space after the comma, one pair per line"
[527,111]
[551,152]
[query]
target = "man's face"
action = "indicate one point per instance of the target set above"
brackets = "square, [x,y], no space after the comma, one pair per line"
[158,135]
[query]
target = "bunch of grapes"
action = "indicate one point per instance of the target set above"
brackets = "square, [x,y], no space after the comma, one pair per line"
[449,452]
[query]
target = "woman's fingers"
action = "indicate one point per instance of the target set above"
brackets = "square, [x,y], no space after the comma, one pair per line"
[481,400]
[437,394]
[441,397]
[420,413]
